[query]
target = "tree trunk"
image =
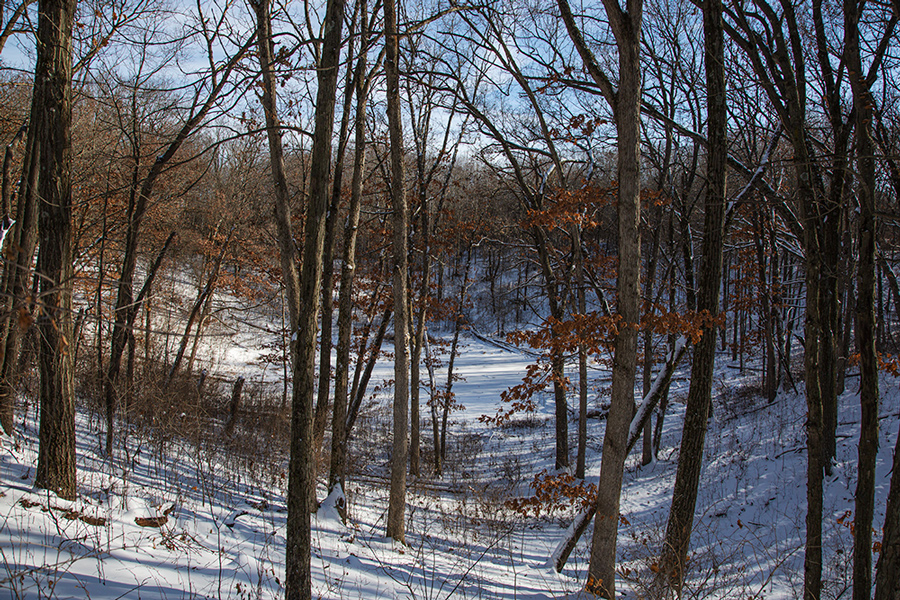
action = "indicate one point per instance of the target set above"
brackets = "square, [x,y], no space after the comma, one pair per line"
[863,104]
[234,406]
[303,289]
[647,455]
[887,570]
[770,383]
[656,394]
[396,522]
[364,370]
[690,460]
[205,293]
[625,102]
[334,209]
[52,108]
[338,468]
[14,305]
[6,185]
[581,454]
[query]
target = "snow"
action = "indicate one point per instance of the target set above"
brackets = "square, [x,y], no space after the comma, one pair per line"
[224,529]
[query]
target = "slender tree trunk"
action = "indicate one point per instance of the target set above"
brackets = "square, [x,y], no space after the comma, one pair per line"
[115,363]
[557,359]
[303,289]
[364,372]
[770,383]
[647,456]
[338,468]
[863,104]
[581,454]
[205,293]
[418,340]
[6,186]
[334,210]
[626,101]
[53,108]
[459,322]
[396,522]
[690,460]
[14,304]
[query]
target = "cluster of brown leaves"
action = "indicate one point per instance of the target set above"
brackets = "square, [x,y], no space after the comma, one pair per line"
[554,492]
[521,396]
[889,363]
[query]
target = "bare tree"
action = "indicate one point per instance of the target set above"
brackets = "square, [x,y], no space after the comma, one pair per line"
[52,120]
[396,522]
[690,460]
[861,82]
[339,429]
[625,102]
[303,288]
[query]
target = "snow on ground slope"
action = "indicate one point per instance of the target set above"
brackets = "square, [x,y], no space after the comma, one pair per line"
[173,520]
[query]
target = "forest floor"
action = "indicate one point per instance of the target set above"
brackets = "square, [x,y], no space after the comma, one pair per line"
[171,519]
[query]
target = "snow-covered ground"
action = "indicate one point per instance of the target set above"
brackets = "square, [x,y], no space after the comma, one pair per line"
[220,521]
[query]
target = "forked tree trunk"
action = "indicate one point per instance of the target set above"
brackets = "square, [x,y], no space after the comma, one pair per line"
[52,108]
[303,289]
[334,210]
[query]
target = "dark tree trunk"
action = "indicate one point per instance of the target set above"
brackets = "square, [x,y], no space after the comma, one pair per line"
[14,304]
[647,455]
[863,104]
[52,107]
[303,289]
[887,570]
[234,406]
[334,210]
[581,453]
[339,430]
[690,460]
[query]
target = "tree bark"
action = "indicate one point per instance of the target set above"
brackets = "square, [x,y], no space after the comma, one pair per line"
[864,497]
[626,103]
[52,107]
[887,570]
[396,523]
[699,402]
[303,289]
[338,468]
[14,305]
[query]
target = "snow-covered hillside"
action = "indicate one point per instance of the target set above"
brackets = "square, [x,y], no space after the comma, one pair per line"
[178,521]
